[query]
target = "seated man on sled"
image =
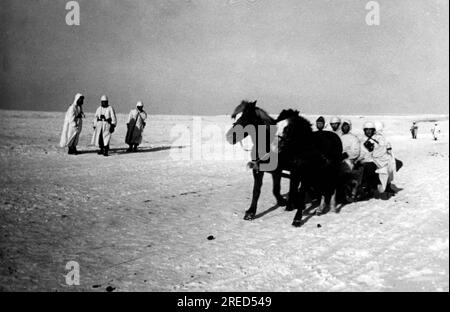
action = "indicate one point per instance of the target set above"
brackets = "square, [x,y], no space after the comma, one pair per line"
[376,162]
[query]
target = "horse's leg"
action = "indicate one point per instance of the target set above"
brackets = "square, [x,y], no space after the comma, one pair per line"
[276,176]
[293,192]
[257,184]
[301,206]
[322,205]
[333,207]
[358,182]
[369,180]
[330,191]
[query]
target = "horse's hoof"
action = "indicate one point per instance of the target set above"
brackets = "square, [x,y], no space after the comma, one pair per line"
[319,212]
[282,202]
[297,223]
[350,199]
[249,216]
[290,206]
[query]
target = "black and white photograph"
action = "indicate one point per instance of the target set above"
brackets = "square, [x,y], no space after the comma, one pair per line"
[224,146]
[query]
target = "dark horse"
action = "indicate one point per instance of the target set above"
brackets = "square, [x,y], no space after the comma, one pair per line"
[262,129]
[314,160]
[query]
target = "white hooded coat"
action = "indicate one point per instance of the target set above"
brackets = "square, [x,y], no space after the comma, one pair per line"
[103,127]
[436,131]
[383,158]
[351,146]
[136,125]
[73,124]
[339,121]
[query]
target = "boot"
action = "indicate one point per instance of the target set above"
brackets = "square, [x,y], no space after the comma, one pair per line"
[101,151]
[130,149]
[389,189]
[106,151]
[135,148]
[71,151]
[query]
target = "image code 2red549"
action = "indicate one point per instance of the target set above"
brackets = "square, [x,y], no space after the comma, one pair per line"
[246,301]
[225,302]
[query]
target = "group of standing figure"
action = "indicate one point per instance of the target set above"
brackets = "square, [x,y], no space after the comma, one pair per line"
[104,125]
[435,131]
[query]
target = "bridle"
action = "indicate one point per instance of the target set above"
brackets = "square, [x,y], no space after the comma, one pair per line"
[240,142]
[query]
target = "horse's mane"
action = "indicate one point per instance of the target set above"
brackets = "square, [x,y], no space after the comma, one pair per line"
[297,135]
[241,107]
[298,126]
[264,116]
[260,113]
[302,124]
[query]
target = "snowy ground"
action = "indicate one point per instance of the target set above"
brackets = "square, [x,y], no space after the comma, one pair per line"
[141,221]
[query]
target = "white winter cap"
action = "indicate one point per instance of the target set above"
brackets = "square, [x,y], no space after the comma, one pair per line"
[379,126]
[104,98]
[369,125]
[347,121]
[140,104]
[335,120]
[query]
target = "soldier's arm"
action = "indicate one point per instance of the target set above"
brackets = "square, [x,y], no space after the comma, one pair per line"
[355,149]
[72,114]
[380,147]
[113,117]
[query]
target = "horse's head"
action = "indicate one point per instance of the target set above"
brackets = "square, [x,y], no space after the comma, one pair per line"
[249,117]
[287,114]
[297,132]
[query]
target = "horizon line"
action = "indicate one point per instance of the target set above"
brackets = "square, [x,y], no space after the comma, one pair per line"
[310,114]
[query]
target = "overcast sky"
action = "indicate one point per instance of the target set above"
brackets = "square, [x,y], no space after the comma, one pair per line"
[204,56]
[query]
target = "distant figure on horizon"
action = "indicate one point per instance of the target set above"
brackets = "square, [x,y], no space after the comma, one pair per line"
[104,125]
[136,124]
[335,124]
[320,123]
[436,131]
[414,130]
[73,124]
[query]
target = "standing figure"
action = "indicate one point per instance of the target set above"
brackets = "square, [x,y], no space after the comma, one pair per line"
[320,123]
[136,124]
[335,124]
[73,124]
[104,125]
[414,130]
[435,131]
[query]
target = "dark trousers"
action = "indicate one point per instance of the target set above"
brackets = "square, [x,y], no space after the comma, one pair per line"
[103,148]
[370,177]
[101,144]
